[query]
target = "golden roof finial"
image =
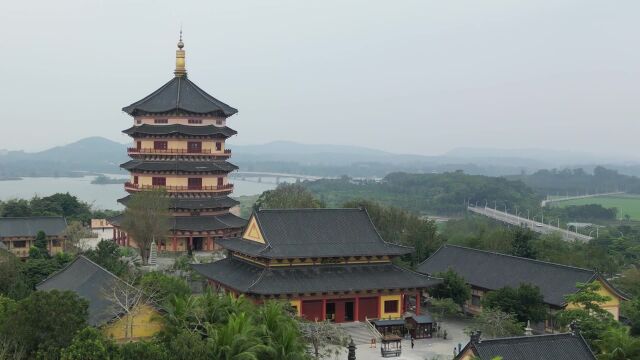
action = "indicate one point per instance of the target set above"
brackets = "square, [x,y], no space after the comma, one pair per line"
[180,70]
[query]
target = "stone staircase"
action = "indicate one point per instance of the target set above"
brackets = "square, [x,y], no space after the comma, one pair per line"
[359,332]
[153,254]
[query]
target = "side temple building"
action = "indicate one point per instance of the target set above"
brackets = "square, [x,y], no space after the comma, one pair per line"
[328,263]
[486,271]
[179,133]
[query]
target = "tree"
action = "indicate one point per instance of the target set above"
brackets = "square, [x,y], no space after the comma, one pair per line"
[495,323]
[107,255]
[40,249]
[16,208]
[584,308]
[322,336]
[453,286]
[444,307]
[142,350]
[280,329]
[36,270]
[402,227]
[75,232]
[288,196]
[631,311]
[146,219]
[617,344]
[127,301]
[164,286]
[629,281]
[45,321]
[237,339]
[522,243]
[89,344]
[525,302]
[13,283]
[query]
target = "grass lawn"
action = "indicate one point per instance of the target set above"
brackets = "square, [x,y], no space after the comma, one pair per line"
[626,204]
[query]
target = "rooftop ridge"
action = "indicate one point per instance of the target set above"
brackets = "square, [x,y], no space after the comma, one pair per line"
[527,337]
[515,257]
[308,209]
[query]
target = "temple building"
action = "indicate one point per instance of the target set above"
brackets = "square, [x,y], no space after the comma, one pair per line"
[18,234]
[328,263]
[179,133]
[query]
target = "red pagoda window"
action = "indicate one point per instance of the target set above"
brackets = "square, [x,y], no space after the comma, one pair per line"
[218,146]
[220,181]
[159,181]
[195,183]
[194,146]
[138,145]
[135,180]
[391,306]
[160,145]
[195,121]
[219,122]
[160,121]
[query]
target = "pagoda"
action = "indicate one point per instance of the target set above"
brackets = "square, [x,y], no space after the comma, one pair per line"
[179,133]
[329,264]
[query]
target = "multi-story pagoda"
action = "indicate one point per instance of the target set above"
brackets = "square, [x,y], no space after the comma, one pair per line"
[179,133]
[328,263]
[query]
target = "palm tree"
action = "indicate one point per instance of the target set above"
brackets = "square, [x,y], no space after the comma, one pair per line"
[617,344]
[237,339]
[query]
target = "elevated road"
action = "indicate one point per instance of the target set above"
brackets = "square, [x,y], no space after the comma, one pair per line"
[548,201]
[533,225]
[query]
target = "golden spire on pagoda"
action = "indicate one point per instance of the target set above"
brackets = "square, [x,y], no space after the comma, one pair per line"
[180,70]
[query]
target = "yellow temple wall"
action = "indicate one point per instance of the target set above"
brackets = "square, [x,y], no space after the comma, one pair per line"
[145,324]
[386,315]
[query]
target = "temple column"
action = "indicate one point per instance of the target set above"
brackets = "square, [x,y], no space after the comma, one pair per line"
[174,241]
[190,243]
[378,311]
[114,234]
[324,309]
[356,309]
[418,303]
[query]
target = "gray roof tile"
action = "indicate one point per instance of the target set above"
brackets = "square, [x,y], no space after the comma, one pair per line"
[29,226]
[249,278]
[493,271]
[180,95]
[537,347]
[179,129]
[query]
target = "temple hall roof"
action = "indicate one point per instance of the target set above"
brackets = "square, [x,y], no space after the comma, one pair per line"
[253,279]
[179,165]
[180,129]
[90,281]
[179,95]
[290,233]
[29,226]
[493,271]
[535,347]
[197,223]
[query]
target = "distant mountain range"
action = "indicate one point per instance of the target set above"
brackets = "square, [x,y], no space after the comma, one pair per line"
[100,155]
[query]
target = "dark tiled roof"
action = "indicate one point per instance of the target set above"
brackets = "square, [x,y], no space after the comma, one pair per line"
[180,95]
[254,279]
[179,129]
[217,202]
[207,223]
[29,226]
[422,319]
[537,347]
[179,165]
[390,322]
[492,271]
[197,223]
[90,281]
[321,233]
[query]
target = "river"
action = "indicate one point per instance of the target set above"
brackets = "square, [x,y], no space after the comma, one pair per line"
[100,196]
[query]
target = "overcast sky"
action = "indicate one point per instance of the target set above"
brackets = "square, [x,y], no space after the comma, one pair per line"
[404,76]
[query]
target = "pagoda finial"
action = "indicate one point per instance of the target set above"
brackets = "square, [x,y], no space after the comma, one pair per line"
[180,70]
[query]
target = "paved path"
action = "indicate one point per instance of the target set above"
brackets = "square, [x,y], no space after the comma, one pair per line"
[533,225]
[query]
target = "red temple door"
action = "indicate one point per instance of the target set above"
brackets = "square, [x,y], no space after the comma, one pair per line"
[195,183]
[194,146]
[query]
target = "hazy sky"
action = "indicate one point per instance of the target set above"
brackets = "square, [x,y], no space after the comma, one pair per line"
[404,76]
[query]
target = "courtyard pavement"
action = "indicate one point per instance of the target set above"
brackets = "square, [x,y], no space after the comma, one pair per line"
[424,349]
